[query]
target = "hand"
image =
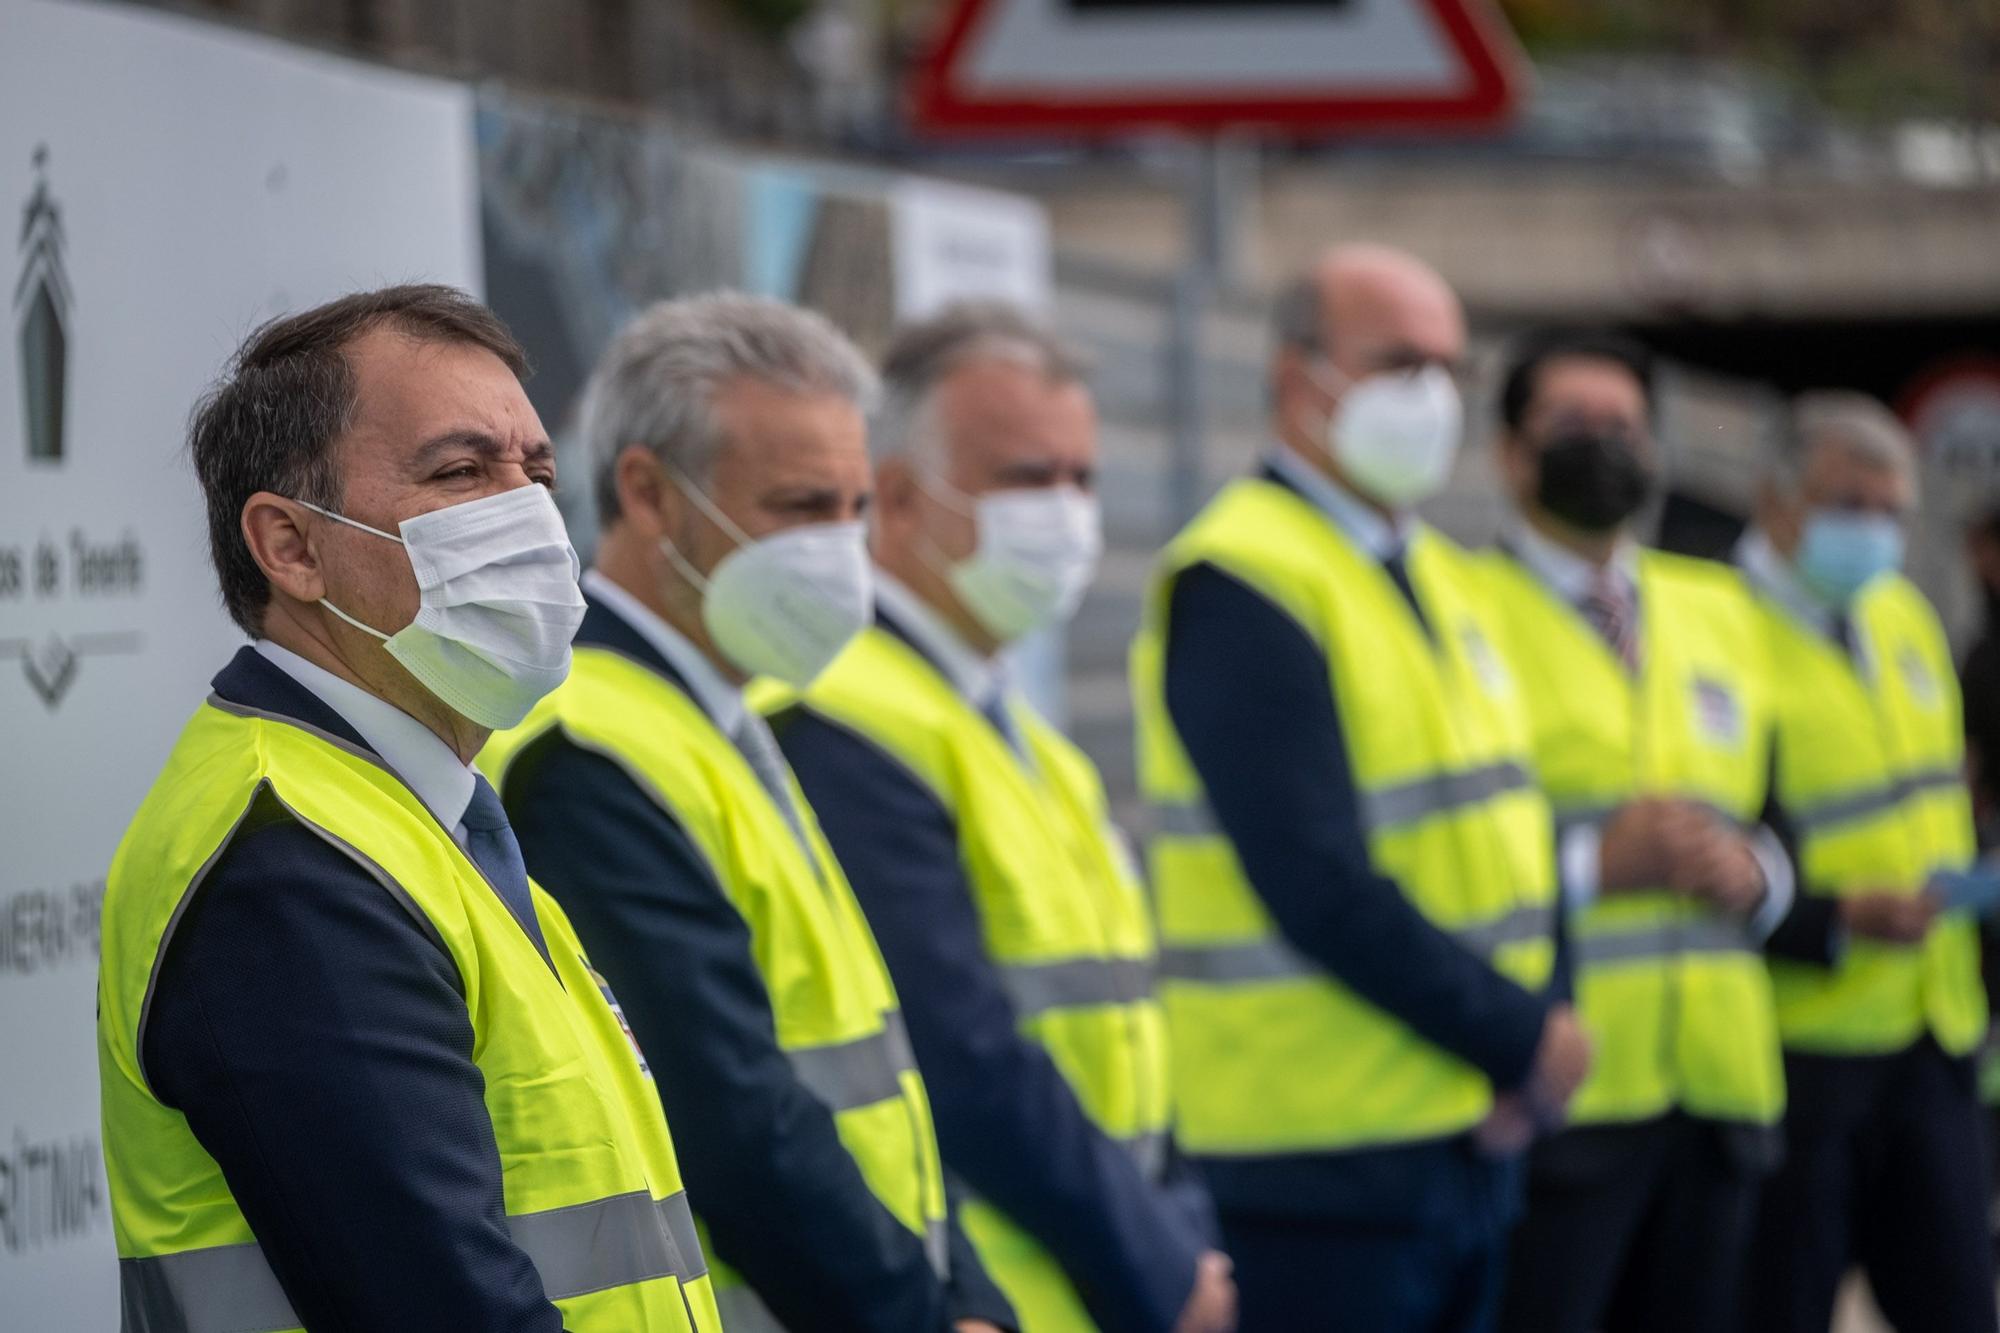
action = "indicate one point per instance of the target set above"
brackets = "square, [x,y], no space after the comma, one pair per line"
[1561,1061]
[1507,1129]
[975,1326]
[1717,866]
[1640,841]
[1889,917]
[1211,1306]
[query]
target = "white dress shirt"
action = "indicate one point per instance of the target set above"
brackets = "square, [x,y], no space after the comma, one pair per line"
[977,677]
[431,769]
[1569,576]
[1773,575]
[1380,537]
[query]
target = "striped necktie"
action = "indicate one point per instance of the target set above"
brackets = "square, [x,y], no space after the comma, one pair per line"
[760,748]
[1608,607]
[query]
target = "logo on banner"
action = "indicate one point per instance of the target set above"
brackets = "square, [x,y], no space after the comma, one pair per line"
[41,312]
[57,571]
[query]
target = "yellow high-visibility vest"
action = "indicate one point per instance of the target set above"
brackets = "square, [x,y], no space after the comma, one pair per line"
[1871,762]
[834,1006]
[1270,1053]
[1675,996]
[593,1192]
[1062,915]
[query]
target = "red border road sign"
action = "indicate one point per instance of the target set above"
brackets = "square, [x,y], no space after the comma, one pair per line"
[944,100]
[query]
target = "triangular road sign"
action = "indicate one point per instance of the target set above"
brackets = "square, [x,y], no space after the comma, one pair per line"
[1100,67]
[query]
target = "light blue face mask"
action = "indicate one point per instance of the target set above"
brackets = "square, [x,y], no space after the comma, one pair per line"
[1841,551]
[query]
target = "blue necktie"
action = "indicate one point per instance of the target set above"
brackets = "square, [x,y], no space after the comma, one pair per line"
[1397,566]
[489,841]
[994,709]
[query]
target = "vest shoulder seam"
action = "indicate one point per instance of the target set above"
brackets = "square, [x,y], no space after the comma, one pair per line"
[265,787]
[845,728]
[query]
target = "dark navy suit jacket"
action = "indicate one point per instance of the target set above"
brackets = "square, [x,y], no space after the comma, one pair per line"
[784,1201]
[1247,689]
[1008,1121]
[317,1040]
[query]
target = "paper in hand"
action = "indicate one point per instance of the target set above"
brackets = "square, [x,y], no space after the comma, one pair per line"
[1976,889]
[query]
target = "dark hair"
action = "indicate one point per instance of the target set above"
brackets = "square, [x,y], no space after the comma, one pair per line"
[1295,317]
[1537,349]
[269,424]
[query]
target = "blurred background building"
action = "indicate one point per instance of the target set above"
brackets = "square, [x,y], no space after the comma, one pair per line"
[1775,196]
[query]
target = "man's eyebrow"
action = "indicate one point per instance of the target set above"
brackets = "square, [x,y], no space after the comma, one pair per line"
[479,442]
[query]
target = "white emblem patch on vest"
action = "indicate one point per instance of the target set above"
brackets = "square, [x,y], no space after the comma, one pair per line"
[1485,662]
[1717,712]
[618,1012]
[1917,676]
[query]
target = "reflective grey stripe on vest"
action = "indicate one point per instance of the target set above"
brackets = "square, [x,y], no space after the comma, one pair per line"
[1073,983]
[937,1247]
[744,1311]
[1271,959]
[1440,793]
[1184,819]
[851,1074]
[1857,805]
[1389,807]
[1663,939]
[582,1248]
[1149,1150]
[1516,927]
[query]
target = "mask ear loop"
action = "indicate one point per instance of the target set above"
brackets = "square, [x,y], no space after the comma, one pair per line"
[1323,432]
[958,502]
[342,518]
[681,563]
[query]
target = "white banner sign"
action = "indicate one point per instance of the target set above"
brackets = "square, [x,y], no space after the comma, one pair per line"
[954,241]
[170,185]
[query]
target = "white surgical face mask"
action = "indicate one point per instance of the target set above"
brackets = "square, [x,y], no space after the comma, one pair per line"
[499,603]
[1396,434]
[1036,555]
[784,605]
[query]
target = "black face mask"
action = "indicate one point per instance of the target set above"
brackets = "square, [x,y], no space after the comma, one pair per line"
[1592,482]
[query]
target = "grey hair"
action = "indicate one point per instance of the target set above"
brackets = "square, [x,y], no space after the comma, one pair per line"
[924,354]
[656,384]
[1838,418]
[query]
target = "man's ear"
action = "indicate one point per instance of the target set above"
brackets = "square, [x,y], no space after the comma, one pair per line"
[277,532]
[895,492]
[1515,460]
[646,499]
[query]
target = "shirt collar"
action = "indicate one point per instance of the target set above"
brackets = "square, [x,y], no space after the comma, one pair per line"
[415,753]
[1773,575]
[1564,572]
[713,692]
[1378,536]
[976,677]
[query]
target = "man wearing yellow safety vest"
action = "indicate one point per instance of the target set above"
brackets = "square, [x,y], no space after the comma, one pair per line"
[978,841]
[356,1070]
[1652,713]
[1878,991]
[1353,868]
[729,437]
